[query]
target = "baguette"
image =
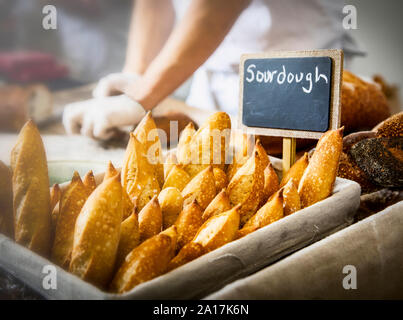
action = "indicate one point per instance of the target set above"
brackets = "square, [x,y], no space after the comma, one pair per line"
[269,213]
[221,180]
[318,179]
[246,186]
[129,238]
[169,163]
[219,205]
[189,252]
[150,219]
[201,188]
[146,133]
[271,184]
[188,223]
[296,171]
[138,176]
[97,233]
[32,219]
[243,145]
[55,195]
[145,262]
[6,201]
[171,202]
[183,148]
[71,203]
[89,182]
[177,178]
[127,204]
[208,145]
[292,202]
[218,230]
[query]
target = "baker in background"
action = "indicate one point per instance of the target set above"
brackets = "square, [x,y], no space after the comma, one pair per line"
[207,41]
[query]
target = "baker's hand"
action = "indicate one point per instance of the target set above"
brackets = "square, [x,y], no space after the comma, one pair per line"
[96,117]
[114,83]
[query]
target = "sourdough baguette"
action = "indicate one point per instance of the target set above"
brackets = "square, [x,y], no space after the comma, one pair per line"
[32,219]
[71,202]
[318,179]
[97,233]
[145,262]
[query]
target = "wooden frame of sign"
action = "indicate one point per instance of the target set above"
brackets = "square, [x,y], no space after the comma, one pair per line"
[335,94]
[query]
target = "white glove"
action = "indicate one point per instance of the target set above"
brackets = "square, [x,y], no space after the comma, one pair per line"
[109,83]
[96,117]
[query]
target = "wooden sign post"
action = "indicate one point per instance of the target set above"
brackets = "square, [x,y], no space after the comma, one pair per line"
[290,94]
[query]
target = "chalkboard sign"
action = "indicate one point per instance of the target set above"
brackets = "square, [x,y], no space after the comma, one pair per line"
[291,94]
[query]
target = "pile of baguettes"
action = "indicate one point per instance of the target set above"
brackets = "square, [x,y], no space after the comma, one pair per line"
[151,217]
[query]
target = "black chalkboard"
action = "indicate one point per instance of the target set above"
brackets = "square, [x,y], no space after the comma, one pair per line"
[292,93]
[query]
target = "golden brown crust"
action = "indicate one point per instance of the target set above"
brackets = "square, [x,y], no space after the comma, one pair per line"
[55,195]
[296,171]
[129,238]
[32,219]
[221,180]
[138,175]
[363,104]
[177,178]
[146,133]
[6,201]
[269,213]
[169,163]
[189,252]
[171,203]
[246,186]
[89,182]
[201,188]
[318,179]
[145,262]
[183,148]
[271,184]
[97,233]
[219,205]
[243,145]
[218,230]
[292,202]
[188,223]
[150,219]
[127,203]
[208,145]
[71,203]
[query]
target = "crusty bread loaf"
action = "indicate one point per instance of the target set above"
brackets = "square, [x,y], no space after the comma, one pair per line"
[218,205]
[207,145]
[363,104]
[318,179]
[71,202]
[201,188]
[138,174]
[97,233]
[32,219]
[171,203]
[147,134]
[246,187]
[188,223]
[6,201]
[269,213]
[145,262]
